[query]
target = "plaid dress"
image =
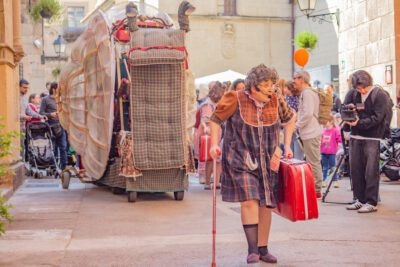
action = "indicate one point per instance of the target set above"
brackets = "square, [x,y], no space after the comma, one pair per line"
[251,136]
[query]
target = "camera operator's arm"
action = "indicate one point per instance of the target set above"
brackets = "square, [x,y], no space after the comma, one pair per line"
[306,109]
[378,114]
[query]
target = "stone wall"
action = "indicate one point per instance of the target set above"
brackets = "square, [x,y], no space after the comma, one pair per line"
[367,41]
[32,68]
[217,43]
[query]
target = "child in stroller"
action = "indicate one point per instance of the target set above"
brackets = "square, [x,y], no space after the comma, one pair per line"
[40,153]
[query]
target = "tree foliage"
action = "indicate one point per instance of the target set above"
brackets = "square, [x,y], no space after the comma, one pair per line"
[6,144]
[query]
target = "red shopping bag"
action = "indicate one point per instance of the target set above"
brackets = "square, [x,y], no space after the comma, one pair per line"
[205,145]
[298,201]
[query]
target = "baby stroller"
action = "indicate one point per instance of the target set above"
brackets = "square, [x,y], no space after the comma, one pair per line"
[40,155]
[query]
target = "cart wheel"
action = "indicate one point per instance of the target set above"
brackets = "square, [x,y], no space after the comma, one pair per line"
[179,195]
[36,175]
[29,173]
[132,196]
[117,191]
[65,179]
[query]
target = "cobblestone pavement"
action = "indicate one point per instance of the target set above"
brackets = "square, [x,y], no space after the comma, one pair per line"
[89,226]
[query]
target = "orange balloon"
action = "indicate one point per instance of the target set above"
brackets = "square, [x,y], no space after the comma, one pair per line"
[301,57]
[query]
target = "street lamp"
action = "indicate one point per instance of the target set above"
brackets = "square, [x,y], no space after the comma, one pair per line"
[308,7]
[59,45]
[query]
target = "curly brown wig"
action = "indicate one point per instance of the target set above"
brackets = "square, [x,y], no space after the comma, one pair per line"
[216,92]
[259,74]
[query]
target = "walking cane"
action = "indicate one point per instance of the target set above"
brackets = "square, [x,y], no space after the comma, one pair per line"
[214,229]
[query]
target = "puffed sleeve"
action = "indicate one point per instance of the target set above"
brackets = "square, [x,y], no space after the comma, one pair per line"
[285,112]
[225,108]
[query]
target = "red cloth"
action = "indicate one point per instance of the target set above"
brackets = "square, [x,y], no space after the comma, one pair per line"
[33,108]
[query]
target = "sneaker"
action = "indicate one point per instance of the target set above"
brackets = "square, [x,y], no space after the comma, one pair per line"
[367,208]
[269,258]
[355,206]
[319,195]
[335,184]
[253,258]
[202,180]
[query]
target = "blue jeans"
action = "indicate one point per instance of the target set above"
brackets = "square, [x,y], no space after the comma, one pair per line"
[61,146]
[328,162]
[296,149]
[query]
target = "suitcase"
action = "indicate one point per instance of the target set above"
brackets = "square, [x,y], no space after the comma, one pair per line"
[205,145]
[297,200]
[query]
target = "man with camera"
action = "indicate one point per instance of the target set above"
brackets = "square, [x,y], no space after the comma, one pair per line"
[367,111]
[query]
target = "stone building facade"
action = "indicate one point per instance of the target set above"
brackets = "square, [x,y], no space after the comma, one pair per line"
[11,53]
[368,40]
[237,35]
[32,67]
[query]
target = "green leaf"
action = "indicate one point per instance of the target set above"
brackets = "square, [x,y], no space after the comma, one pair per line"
[306,40]
[54,6]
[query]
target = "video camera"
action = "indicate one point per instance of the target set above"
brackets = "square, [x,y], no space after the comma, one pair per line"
[348,112]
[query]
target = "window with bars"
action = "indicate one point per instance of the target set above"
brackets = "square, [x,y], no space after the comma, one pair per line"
[74,15]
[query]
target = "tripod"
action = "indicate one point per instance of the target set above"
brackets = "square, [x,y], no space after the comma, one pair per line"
[344,158]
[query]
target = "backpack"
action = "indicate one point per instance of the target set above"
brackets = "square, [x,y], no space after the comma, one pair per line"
[389,108]
[325,106]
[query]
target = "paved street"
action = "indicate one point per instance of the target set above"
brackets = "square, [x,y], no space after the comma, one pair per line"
[89,226]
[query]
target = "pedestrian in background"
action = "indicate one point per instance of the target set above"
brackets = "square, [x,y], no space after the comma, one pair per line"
[24,118]
[292,97]
[330,141]
[237,85]
[206,110]
[32,109]
[308,126]
[48,108]
[200,166]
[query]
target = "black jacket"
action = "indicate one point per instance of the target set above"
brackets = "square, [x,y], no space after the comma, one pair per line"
[371,123]
[336,104]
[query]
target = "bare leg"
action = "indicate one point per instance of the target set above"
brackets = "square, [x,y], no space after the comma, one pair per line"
[264,226]
[249,212]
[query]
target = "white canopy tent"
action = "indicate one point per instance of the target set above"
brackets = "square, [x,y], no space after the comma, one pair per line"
[228,75]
